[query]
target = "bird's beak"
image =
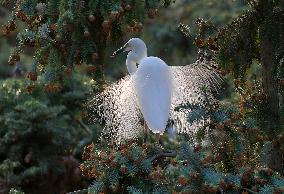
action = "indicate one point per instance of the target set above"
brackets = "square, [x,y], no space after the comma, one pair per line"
[120,50]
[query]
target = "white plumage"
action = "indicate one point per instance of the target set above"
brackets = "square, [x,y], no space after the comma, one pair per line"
[153,91]
[153,85]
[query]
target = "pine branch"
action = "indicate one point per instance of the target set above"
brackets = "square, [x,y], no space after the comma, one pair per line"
[171,153]
[83,126]
[249,190]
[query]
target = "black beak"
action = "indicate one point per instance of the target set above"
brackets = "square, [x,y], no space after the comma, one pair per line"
[120,50]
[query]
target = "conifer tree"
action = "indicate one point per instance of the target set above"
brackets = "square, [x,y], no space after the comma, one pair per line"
[41,117]
[256,37]
[249,141]
[72,32]
[242,154]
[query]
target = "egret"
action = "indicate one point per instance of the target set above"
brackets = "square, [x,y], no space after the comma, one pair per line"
[152,82]
[152,91]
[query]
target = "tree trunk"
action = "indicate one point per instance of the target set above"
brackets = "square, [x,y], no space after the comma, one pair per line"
[100,39]
[268,51]
[270,84]
[269,65]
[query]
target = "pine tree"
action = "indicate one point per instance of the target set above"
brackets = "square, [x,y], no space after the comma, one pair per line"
[74,32]
[39,135]
[245,136]
[253,40]
[241,153]
[256,37]
[42,117]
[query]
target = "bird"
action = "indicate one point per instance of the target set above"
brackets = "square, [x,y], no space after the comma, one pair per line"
[152,91]
[152,81]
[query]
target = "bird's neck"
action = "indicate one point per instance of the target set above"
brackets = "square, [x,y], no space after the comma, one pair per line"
[133,59]
[131,66]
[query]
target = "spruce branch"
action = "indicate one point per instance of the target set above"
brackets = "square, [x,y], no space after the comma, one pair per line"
[83,125]
[171,153]
[249,190]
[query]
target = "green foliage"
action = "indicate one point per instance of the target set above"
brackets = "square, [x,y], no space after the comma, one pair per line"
[4,71]
[41,122]
[237,134]
[95,187]
[252,40]
[71,32]
[41,119]
[188,170]
[172,45]
[256,37]
[40,133]
[247,46]
[133,190]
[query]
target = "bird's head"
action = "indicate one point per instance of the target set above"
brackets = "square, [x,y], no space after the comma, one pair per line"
[136,47]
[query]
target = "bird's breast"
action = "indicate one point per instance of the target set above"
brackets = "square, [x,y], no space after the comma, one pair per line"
[153,86]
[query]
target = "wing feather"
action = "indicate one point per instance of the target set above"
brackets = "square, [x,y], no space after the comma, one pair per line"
[117,108]
[195,85]
[155,91]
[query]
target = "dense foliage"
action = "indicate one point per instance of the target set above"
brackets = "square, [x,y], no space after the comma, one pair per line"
[68,33]
[247,135]
[256,38]
[42,123]
[147,168]
[233,158]
[42,117]
[40,134]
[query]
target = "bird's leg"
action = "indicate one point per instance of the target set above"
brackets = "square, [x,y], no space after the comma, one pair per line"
[145,131]
[158,139]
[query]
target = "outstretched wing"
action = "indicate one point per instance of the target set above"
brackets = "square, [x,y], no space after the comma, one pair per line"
[117,108]
[155,90]
[195,86]
[153,86]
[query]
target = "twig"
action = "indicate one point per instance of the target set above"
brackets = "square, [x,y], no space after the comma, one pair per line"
[83,125]
[83,191]
[171,153]
[249,190]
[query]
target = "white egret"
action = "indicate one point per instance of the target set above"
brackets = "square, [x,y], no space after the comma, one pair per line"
[152,82]
[152,91]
